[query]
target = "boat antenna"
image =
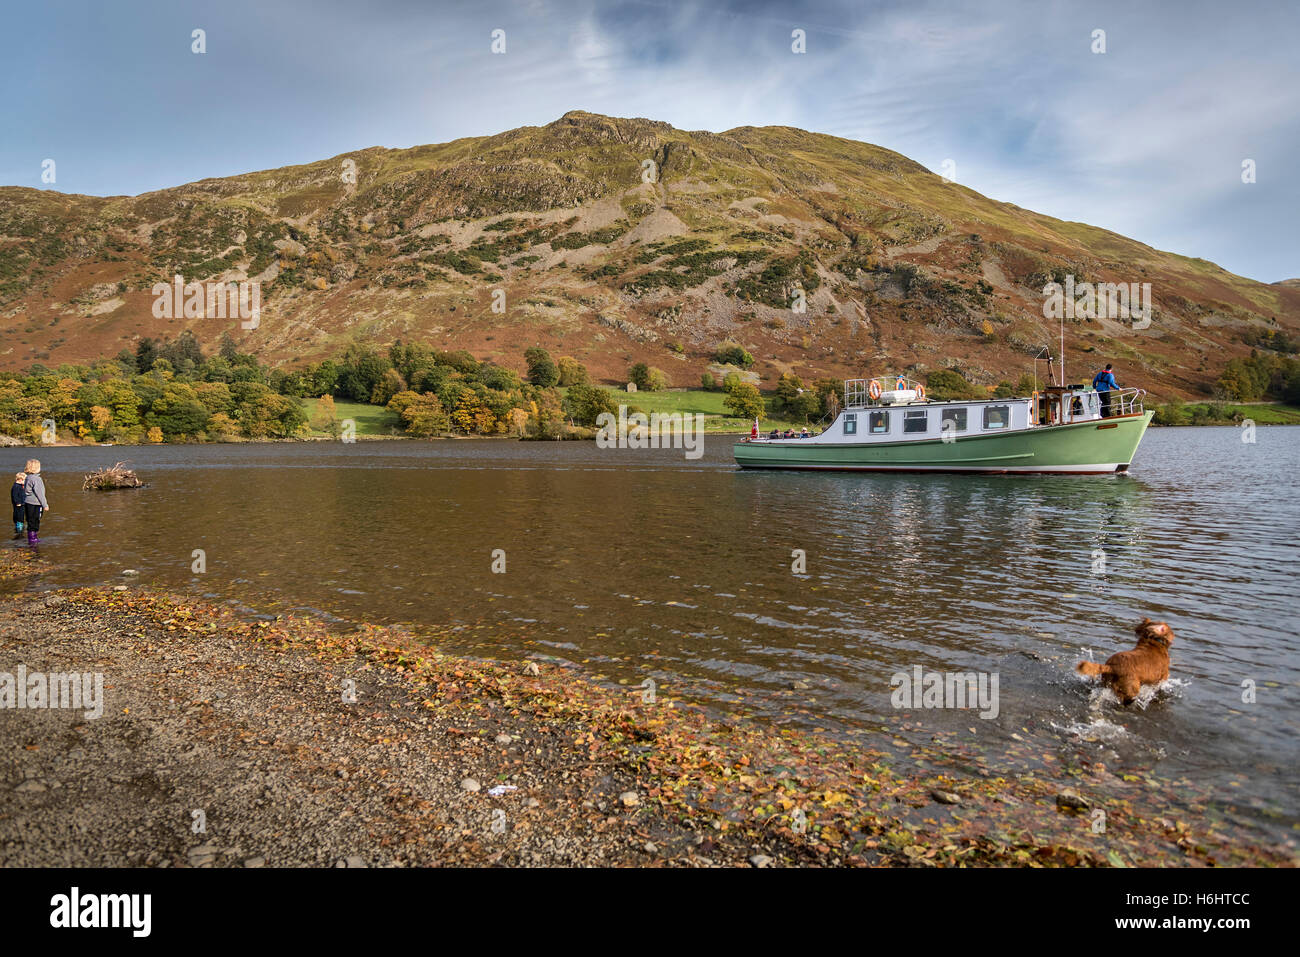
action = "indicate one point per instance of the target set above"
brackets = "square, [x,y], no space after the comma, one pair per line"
[1062,347]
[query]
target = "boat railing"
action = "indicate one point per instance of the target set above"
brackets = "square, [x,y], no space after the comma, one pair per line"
[1127,402]
[857,392]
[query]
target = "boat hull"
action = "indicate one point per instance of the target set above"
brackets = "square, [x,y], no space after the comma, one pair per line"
[1080,448]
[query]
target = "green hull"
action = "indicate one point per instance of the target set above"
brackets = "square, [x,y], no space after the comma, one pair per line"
[1080,448]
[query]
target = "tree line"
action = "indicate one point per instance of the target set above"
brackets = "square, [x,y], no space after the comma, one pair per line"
[1260,376]
[162,391]
[173,391]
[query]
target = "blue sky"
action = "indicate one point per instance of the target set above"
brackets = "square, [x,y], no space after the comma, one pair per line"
[1146,139]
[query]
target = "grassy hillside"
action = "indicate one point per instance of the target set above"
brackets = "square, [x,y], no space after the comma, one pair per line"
[615,241]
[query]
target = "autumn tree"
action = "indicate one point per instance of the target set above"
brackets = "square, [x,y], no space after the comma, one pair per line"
[222,426]
[422,415]
[546,415]
[572,372]
[542,370]
[585,402]
[326,419]
[518,421]
[744,401]
[389,384]
[100,419]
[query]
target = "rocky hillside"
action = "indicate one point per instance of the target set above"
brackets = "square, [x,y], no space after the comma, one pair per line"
[614,241]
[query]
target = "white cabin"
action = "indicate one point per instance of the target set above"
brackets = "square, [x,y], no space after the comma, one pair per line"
[875,414]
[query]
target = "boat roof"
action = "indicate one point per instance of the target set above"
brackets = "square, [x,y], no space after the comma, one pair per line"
[877,406]
[857,393]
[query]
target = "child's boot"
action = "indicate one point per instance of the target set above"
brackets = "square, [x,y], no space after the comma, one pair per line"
[31,538]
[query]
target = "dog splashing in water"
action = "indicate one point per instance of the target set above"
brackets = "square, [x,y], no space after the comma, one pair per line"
[1147,664]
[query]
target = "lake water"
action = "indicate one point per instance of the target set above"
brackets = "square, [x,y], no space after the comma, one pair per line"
[635,564]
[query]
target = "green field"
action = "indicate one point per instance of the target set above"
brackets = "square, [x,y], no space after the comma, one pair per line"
[1225,413]
[370,419]
[1278,414]
[377,420]
[697,400]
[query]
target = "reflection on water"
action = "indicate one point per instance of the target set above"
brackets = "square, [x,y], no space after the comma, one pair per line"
[640,563]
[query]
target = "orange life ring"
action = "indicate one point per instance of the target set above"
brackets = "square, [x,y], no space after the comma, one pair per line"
[920,391]
[873,389]
[901,383]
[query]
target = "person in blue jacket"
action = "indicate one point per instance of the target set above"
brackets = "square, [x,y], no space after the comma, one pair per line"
[1104,382]
[16,499]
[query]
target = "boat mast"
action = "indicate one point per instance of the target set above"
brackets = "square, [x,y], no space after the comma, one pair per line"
[1063,380]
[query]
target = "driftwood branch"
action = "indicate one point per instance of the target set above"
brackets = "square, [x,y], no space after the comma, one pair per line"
[113,477]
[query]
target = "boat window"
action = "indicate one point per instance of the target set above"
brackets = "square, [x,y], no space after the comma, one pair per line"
[997,416]
[850,423]
[916,420]
[877,422]
[956,416]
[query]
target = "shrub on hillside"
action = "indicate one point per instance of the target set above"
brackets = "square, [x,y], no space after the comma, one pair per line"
[945,384]
[733,354]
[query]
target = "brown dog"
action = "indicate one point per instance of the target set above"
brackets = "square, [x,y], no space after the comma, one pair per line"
[1147,664]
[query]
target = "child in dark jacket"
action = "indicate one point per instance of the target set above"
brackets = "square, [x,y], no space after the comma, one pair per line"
[16,499]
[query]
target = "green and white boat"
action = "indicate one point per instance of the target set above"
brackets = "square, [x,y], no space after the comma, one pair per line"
[1061,430]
